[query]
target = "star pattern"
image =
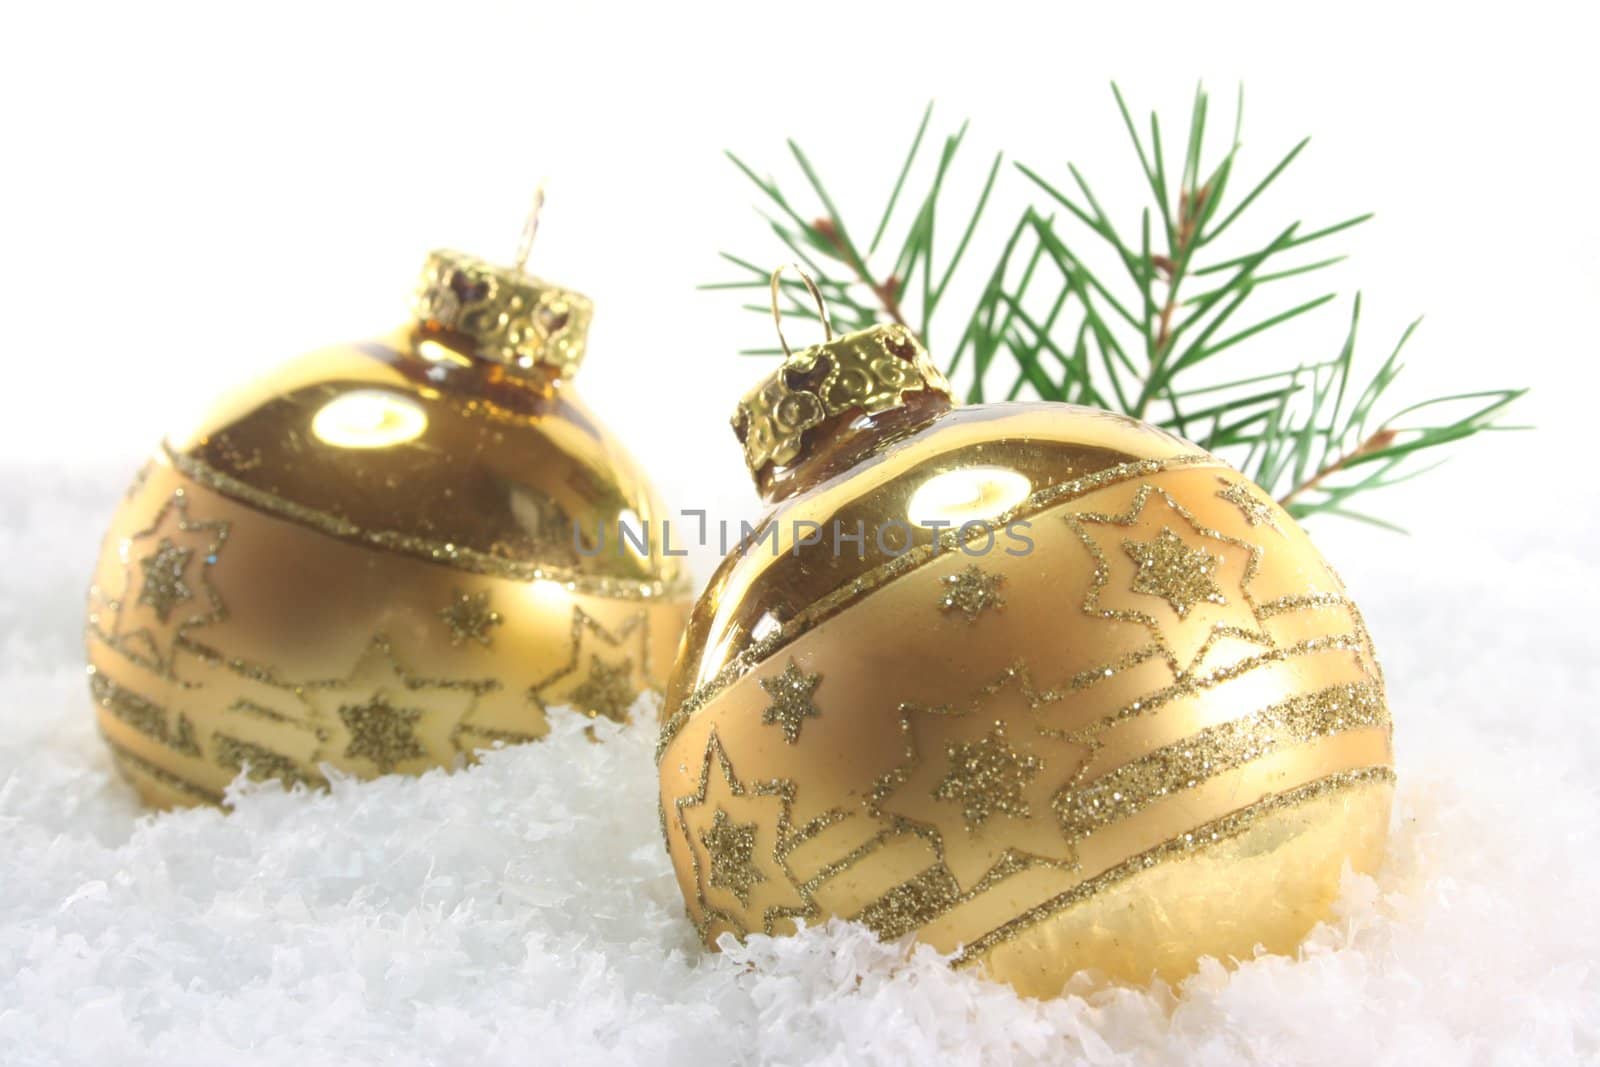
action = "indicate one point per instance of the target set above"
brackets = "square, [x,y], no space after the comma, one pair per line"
[1009,780]
[731,847]
[383,713]
[979,778]
[165,565]
[987,777]
[971,592]
[1255,510]
[608,691]
[382,733]
[469,618]
[1155,527]
[791,705]
[164,588]
[1170,569]
[765,804]
[600,689]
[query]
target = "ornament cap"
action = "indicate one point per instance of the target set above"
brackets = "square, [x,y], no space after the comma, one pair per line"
[867,372]
[502,315]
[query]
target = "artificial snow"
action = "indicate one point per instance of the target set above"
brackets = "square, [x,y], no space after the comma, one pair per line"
[522,910]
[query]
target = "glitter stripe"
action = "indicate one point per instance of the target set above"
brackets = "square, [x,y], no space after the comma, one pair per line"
[848,594]
[1185,764]
[261,711]
[236,754]
[1181,847]
[1190,686]
[443,552]
[130,759]
[142,715]
[912,903]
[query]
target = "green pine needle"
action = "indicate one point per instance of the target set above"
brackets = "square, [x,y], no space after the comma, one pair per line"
[1154,339]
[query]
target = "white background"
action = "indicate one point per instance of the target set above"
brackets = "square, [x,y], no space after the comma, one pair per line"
[190,194]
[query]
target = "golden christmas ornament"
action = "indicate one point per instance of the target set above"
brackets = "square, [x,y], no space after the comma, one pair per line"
[1047,687]
[382,557]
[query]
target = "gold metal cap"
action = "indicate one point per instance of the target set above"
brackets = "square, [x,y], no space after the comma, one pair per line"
[871,370]
[503,314]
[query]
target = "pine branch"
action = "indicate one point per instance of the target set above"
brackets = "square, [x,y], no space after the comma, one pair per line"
[1153,338]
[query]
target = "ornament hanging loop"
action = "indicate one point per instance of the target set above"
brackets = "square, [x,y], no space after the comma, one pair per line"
[816,295]
[530,229]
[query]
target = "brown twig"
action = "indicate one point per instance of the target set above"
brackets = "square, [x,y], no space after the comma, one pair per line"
[1377,442]
[1189,208]
[887,291]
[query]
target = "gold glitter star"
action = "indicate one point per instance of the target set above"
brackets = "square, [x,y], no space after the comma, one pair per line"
[764,803]
[1171,570]
[1214,618]
[1255,510]
[164,587]
[732,848]
[971,591]
[134,617]
[601,685]
[470,618]
[351,714]
[791,700]
[381,732]
[987,777]
[608,690]
[978,777]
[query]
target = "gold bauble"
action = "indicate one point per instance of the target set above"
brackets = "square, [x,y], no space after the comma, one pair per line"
[1117,713]
[371,558]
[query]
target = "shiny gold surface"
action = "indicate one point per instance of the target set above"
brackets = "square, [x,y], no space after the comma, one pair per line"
[491,476]
[1159,732]
[756,601]
[382,557]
